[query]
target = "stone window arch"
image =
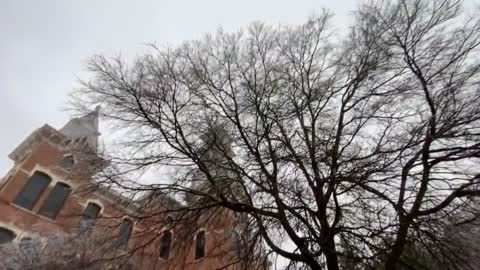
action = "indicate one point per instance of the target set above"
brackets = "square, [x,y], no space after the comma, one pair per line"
[6,236]
[55,200]
[89,216]
[67,162]
[33,189]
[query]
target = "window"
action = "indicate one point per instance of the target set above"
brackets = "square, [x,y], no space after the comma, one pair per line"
[165,245]
[168,221]
[6,236]
[125,232]
[26,239]
[67,162]
[26,242]
[31,192]
[237,244]
[90,215]
[55,201]
[200,245]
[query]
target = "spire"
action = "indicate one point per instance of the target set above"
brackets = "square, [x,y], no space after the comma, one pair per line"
[84,127]
[217,154]
[217,144]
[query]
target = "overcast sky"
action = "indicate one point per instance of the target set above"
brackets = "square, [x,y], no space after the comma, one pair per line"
[44,45]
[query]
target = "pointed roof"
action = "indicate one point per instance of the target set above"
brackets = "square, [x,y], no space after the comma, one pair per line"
[84,127]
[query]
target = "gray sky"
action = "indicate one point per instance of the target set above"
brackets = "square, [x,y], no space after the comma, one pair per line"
[45,44]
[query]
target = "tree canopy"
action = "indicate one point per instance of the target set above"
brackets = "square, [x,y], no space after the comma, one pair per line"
[346,145]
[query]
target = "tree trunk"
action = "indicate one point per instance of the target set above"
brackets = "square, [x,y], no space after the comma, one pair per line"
[331,254]
[398,246]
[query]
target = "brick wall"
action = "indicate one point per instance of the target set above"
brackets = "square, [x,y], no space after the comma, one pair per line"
[42,153]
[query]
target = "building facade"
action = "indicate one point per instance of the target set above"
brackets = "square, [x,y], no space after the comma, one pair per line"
[48,191]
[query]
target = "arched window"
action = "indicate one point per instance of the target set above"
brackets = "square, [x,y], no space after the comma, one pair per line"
[67,162]
[26,239]
[55,201]
[26,242]
[6,236]
[168,221]
[200,245]
[90,215]
[237,244]
[165,245]
[125,232]
[31,192]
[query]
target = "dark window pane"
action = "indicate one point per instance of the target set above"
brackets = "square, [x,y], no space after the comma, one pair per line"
[67,162]
[165,245]
[125,232]
[92,211]
[89,216]
[31,192]
[6,236]
[200,245]
[55,201]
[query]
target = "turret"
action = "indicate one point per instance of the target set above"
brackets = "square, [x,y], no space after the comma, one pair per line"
[217,156]
[84,127]
[79,135]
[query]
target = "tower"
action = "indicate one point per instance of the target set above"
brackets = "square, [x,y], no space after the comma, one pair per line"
[217,156]
[84,127]
[38,193]
[44,194]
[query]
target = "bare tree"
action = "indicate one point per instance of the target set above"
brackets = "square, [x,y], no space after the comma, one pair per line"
[61,252]
[348,145]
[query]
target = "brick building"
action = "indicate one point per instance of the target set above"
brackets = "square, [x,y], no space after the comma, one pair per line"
[48,191]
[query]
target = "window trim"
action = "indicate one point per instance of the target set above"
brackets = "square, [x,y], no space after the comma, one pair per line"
[26,236]
[63,203]
[100,213]
[41,193]
[117,239]
[12,228]
[9,232]
[95,201]
[85,205]
[74,159]
[55,177]
[169,245]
